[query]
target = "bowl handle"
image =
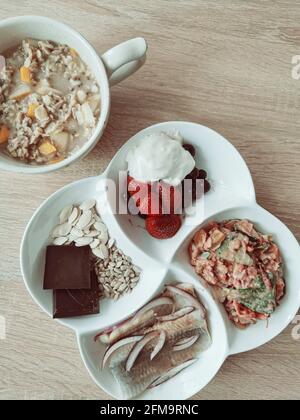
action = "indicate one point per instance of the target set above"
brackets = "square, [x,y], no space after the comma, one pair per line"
[124,59]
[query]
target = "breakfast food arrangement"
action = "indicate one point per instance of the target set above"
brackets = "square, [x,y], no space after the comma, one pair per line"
[159,296]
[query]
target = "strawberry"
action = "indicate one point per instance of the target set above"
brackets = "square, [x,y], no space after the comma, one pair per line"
[144,196]
[163,226]
[171,198]
[134,186]
[150,205]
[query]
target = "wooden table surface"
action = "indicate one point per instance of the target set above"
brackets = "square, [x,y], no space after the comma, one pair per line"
[223,63]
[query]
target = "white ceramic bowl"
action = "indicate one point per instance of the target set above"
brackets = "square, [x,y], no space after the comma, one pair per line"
[232,195]
[109,69]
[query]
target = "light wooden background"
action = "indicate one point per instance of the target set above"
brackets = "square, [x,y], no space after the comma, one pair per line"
[222,63]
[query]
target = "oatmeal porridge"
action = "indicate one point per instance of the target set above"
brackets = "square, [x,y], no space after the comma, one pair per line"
[49,102]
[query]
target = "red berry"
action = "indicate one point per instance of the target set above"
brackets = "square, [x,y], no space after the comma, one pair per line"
[164,226]
[134,186]
[194,174]
[170,197]
[190,149]
[207,186]
[150,204]
[202,174]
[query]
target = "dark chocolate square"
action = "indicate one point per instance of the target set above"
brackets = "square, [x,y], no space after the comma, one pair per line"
[68,303]
[67,267]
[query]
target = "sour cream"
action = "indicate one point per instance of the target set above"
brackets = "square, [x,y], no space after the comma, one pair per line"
[160,157]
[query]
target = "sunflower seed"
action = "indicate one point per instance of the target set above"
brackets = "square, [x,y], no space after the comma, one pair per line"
[122,287]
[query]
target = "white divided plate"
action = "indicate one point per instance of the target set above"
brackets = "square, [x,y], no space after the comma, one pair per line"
[232,196]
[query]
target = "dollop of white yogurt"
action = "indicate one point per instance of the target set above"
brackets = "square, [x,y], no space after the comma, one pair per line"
[160,157]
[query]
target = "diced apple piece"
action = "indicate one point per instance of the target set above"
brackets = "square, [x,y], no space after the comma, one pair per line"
[31,110]
[4,134]
[20,92]
[88,115]
[25,74]
[61,141]
[47,148]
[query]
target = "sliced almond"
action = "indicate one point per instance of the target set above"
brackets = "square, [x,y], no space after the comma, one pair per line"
[110,243]
[104,251]
[95,243]
[87,204]
[92,233]
[83,241]
[60,240]
[97,252]
[65,214]
[76,233]
[61,230]
[73,215]
[103,237]
[84,219]
[100,226]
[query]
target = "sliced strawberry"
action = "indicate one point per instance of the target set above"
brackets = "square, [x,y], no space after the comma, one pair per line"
[134,186]
[171,198]
[150,204]
[163,226]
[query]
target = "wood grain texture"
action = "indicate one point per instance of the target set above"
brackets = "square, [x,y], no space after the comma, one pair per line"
[225,64]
